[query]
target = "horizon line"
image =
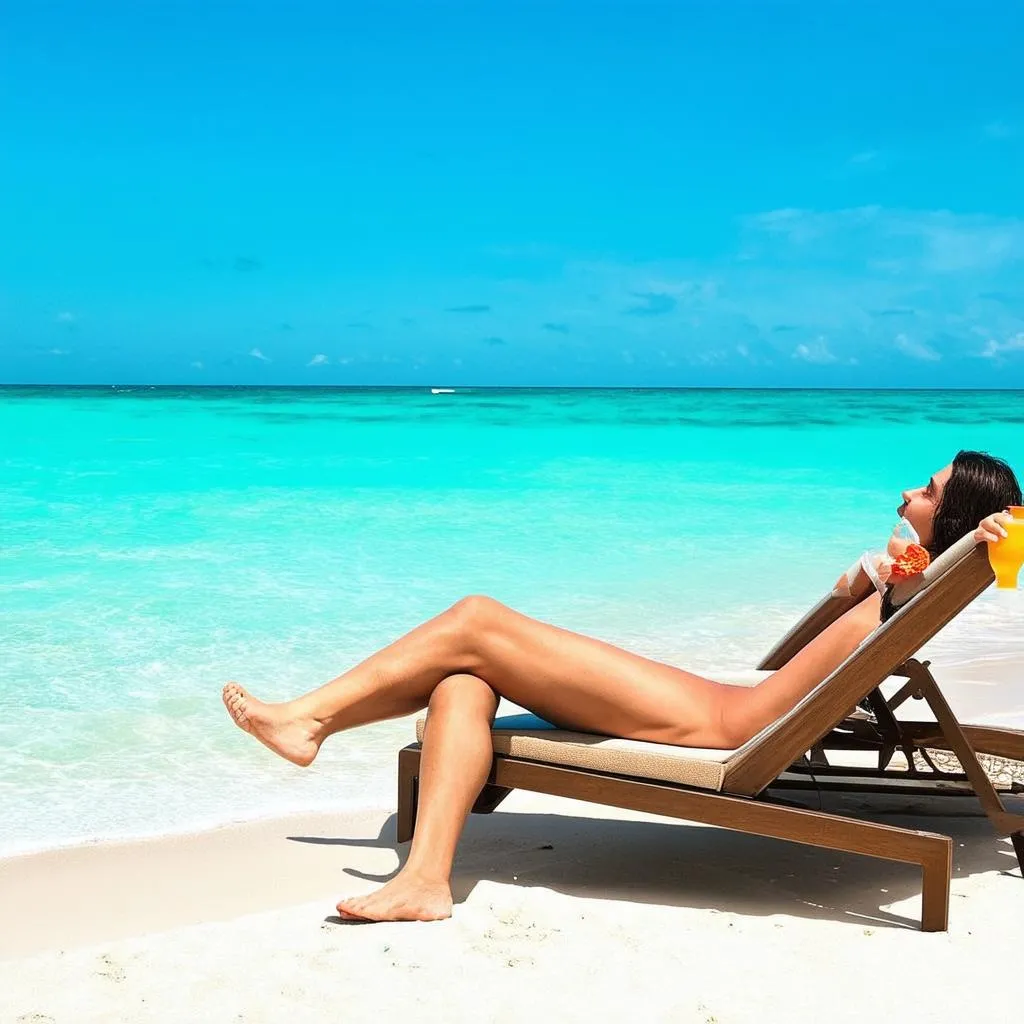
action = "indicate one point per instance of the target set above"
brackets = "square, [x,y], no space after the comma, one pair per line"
[503,387]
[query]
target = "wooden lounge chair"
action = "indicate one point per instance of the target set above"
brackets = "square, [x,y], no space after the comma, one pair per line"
[734,788]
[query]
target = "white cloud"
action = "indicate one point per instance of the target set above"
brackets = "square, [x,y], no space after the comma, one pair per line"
[196,364]
[345,360]
[817,352]
[682,291]
[953,244]
[318,360]
[59,352]
[997,349]
[930,241]
[915,349]
[66,317]
[999,130]
[867,156]
[257,354]
[799,227]
[712,357]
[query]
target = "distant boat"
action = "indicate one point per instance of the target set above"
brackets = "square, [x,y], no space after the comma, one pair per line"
[442,391]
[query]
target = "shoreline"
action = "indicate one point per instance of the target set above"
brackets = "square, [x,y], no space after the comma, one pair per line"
[187,829]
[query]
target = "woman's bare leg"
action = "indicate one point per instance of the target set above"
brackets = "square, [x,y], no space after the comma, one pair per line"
[571,680]
[456,758]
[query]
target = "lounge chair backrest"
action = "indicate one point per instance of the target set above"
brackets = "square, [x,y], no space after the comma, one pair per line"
[833,606]
[820,617]
[955,579]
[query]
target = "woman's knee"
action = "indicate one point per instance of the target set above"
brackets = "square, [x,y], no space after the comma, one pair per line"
[471,623]
[474,610]
[462,690]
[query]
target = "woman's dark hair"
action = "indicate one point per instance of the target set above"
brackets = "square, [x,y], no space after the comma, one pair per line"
[979,485]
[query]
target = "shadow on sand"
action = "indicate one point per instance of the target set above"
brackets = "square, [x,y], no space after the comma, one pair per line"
[673,863]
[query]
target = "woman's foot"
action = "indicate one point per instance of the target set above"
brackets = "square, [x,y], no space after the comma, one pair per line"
[404,898]
[292,737]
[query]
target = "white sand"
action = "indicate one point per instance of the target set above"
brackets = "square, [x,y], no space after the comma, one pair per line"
[563,915]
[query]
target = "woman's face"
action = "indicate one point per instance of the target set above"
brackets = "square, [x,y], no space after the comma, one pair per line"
[919,504]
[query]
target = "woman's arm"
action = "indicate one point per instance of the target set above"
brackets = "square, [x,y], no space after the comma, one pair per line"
[855,582]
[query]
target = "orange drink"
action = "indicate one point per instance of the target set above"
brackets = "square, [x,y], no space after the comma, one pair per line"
[1007,554]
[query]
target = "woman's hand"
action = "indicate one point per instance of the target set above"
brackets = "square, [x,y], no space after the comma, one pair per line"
[991,527]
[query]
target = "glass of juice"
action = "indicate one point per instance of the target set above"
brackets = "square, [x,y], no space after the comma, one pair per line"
[1007,554]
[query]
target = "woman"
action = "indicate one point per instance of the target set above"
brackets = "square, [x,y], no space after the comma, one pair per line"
[459,663]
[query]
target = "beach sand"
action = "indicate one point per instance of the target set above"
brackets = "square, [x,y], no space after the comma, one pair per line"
[561,913]
[564,912]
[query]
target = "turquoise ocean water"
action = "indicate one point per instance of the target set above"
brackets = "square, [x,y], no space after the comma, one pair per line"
[156,542]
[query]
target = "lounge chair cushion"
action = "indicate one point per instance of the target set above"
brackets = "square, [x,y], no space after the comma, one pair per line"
[533,739]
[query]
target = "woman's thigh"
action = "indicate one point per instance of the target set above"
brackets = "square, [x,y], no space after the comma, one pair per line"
[578,682]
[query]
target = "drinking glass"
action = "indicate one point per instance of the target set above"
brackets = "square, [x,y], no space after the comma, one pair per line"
[1007,554]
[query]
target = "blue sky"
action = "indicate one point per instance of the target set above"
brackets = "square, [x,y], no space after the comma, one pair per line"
[654,194]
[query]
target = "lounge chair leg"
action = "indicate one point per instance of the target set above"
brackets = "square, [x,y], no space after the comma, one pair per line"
[889,727]
[936,874]
[1005,823]
[1017,838]
[408,792]
[489,798]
